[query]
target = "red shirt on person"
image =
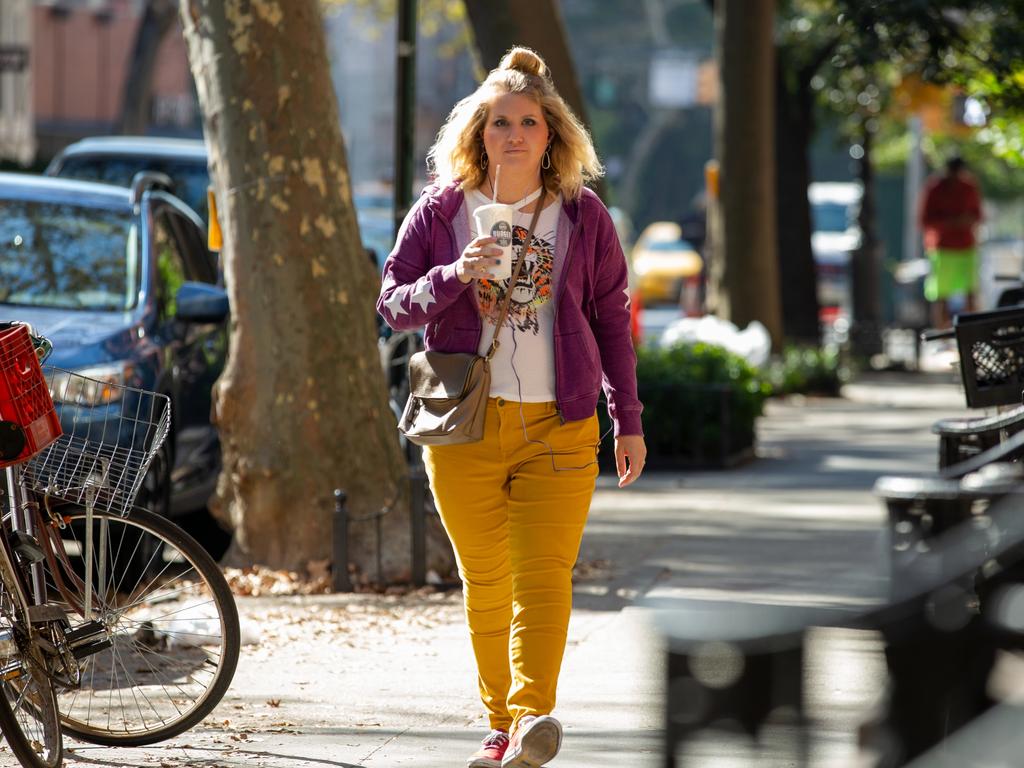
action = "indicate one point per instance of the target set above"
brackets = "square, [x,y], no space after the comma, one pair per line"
[950,208]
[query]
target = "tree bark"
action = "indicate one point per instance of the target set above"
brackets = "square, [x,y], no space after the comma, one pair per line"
[744,275]
[866,268]
[301,405]
[157,19]
[498,26]
[794,128]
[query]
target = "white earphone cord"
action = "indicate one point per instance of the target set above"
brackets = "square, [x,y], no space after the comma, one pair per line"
[522,416]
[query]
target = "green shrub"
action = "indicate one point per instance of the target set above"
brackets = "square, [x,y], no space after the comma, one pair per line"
[807,370]
[700,402]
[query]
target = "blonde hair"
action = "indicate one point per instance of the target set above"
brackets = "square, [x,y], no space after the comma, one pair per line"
[457,151]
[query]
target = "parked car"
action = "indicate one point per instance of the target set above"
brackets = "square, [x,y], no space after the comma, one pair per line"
[116,160]
[121,281]
[835,236]
[665,264]
[668,273]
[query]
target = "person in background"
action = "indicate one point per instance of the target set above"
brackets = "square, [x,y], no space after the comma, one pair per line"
[950,214]
[514,504]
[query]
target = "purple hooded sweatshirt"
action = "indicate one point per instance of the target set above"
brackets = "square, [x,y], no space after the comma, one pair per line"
[592,335]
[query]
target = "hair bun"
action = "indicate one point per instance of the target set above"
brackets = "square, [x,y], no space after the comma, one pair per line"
[524,60]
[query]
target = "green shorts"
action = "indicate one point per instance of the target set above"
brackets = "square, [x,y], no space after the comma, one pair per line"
[954,273]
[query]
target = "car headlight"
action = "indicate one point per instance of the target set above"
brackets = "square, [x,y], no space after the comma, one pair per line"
[96,385]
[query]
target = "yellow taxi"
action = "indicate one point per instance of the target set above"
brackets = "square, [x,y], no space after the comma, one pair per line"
[664,263]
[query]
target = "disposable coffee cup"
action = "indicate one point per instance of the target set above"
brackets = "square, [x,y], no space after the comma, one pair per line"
[495,220]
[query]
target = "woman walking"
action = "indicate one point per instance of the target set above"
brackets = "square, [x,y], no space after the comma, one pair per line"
[514,504]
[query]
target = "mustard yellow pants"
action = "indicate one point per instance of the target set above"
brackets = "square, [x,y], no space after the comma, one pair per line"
[514,507]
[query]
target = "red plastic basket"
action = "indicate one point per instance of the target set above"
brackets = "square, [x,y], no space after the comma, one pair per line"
[24,395]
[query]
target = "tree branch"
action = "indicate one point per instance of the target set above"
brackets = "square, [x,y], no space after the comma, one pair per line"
[807,72]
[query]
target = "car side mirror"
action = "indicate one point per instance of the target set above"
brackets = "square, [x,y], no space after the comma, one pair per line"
[201,303]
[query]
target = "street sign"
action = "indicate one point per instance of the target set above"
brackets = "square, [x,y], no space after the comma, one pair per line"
[13,58]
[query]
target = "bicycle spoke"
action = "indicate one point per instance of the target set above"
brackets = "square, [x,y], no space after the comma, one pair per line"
[143,650]
[135,690]
[174,646]
[161,595]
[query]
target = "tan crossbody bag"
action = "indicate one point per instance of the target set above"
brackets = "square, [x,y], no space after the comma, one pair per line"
[448,391]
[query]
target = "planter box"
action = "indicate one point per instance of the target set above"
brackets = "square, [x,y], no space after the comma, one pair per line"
[691,426]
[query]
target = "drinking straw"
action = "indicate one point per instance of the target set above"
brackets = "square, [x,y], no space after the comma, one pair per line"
[497,173]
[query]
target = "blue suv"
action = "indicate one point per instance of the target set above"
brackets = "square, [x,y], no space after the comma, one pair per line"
[116,159]
[121,280]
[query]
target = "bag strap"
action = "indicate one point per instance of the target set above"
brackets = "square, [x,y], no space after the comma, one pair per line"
[515,274]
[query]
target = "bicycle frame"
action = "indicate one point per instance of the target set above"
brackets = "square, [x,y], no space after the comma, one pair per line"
[24,595]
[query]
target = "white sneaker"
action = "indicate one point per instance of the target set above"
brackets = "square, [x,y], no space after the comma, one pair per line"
[535,742]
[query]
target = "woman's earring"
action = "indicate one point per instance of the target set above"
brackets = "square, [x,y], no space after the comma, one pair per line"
[545,162]
[483,161]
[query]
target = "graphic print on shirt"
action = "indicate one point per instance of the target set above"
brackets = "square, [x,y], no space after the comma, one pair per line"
[532,289]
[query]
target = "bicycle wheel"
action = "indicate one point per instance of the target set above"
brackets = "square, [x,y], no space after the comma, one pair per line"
[28,707]
[29,718]
[169,617]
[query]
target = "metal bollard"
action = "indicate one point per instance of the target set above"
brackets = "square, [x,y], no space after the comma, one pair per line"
[339,573]
[418,522]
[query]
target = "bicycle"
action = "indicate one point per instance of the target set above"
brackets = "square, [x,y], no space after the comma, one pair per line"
[115,625]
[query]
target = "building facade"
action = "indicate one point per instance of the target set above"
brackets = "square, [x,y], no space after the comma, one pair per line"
[81,53]
[17,133]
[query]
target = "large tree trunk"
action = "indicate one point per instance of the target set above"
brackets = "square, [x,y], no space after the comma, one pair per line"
[497,26]
[866,268]
[158,18]
[744,275]
[302,405]
[794,126]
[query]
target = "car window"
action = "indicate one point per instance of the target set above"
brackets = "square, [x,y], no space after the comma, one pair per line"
[68,256]
[200,264]
[670,245]
[190,178]
[171,265]
[831,217]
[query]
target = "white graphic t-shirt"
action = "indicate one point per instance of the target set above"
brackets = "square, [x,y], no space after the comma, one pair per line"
[523,368]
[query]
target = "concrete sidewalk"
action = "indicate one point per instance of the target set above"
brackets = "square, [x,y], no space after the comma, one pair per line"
[352,681]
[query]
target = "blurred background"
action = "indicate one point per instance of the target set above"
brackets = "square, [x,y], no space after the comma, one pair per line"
[850,120]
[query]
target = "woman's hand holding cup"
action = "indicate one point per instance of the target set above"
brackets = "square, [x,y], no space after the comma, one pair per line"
[479,261]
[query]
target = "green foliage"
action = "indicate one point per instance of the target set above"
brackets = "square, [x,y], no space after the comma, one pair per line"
[431,17]
[994,154]
[1005,138]
[701,363]
[700,402]
[854,56]
[807,370]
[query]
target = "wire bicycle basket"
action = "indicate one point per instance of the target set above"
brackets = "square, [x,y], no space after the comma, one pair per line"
[111,433]
[991,348]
